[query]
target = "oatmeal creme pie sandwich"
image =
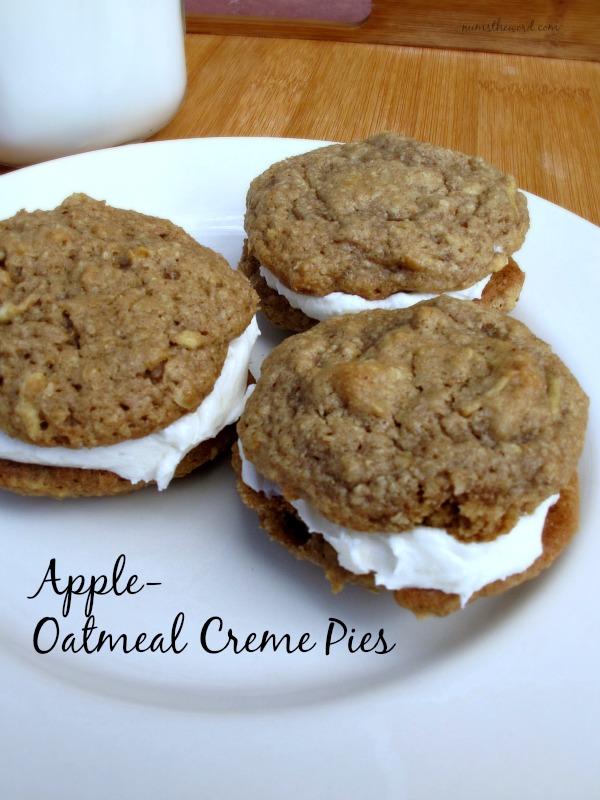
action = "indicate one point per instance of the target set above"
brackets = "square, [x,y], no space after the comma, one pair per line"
[125,348]
[431,451]
[385,222]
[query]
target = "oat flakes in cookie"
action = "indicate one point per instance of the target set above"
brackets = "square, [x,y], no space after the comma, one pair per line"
[124,346]
[431,451]
[386,221]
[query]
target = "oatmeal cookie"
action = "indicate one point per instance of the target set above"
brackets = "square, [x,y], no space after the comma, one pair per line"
[443,414]
[114,323]
[381,216]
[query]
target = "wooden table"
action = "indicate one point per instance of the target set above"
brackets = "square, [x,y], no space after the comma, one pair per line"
[538,118]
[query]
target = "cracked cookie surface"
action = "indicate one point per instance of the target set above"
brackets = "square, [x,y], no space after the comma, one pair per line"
[113,323]
[445,414]
[384,215]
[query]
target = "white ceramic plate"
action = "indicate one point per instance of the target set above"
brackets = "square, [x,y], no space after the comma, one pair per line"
[498,701]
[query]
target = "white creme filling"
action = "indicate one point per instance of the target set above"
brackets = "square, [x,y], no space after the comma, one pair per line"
[423,558]
[155,457]
[336,303]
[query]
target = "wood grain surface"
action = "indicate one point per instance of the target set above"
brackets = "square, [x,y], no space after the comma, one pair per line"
[551,28]
[537,118]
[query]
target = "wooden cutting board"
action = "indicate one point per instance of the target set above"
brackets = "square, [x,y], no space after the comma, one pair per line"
[551,28]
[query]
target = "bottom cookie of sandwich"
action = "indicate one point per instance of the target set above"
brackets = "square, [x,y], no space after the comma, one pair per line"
[66,482]
[284,526]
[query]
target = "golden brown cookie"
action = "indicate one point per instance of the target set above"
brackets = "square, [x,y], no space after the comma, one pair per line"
[381,216]
[446,415]
[114,323]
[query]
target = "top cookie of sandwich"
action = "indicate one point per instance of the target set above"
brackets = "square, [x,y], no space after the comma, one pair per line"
[384,215]
[113,324]
[445,414]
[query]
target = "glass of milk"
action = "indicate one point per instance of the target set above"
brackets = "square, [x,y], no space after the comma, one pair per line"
[78,75]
